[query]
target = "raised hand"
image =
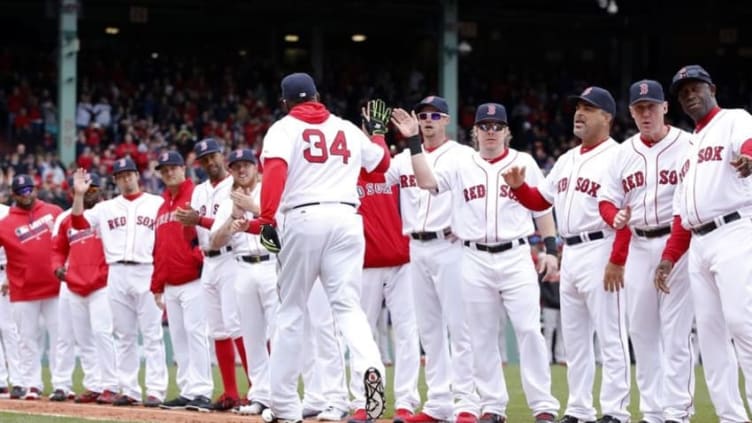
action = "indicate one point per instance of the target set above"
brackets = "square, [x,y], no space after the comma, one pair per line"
[376,116]
[743,165]
[661,275]
[81,181]
[514,177]
[406,123]
[622,217]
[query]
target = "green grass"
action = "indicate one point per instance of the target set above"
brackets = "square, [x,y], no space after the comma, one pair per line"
[517,410]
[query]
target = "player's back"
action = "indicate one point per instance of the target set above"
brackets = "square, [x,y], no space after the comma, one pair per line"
[323,159]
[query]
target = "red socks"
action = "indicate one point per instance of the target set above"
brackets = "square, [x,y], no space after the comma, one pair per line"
[243,359]
[226,361]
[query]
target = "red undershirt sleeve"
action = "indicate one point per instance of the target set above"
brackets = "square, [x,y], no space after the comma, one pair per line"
[383,165]
[678,242]
[272,186]
[608,211]
[620,247]
[530,197]
[205,222]
[747,147]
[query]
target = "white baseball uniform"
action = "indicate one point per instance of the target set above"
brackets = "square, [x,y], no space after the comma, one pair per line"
[220,268]
[716,204]
[322,237]
[439,304]
[127,231]
[572,187]
[644,178]
[498,272]
[9,361]
[255,287]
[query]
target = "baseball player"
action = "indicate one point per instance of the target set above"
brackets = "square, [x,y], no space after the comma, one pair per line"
[26,235]
[220,269]
[176,286]
[639,193]
[256,275]
[311,164]
[386,276]
[497,267]
[714,205]
[434,253]
[126,224]
[572,187]
[9,360]
[78,260]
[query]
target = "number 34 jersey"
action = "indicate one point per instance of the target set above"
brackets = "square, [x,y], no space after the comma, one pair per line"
[323,159]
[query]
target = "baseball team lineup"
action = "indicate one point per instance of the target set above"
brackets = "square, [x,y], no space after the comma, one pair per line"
[281,261]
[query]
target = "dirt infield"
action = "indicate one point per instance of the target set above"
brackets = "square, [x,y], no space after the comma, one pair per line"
[131,414]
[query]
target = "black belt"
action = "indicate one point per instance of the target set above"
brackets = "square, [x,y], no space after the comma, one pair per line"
[317,203]
[498,248]
[2,267]
[128,262]
[215,253]
[653,233]
[579,239]
[711,226]
[254,259]
[428,236]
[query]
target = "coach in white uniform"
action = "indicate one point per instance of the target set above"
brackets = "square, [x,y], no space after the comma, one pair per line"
[434,253]
[572,187]
[497,266]
[126,224]
[642,181]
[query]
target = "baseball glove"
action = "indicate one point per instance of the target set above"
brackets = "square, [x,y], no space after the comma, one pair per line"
[270,239]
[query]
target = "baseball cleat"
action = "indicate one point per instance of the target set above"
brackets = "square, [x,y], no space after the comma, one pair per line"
[309,413]
[421,417]
[32,394]
[17,392]
[4,392]
[122,400]
[255,408]
[492,418]
[87,397]
[544,418]
[152,402]
[225,402]
[59,395]
[177,403]
[201,404]
[331,414]
[570,419]
[107,397]
[465,417]
[401,414]
[374,388]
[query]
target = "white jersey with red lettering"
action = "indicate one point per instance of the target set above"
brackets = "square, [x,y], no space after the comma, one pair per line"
[498,274]
[421,211]
[711,187]
[485,209]
[572,187]
[323,160]
[126,227]
[645,178]
[206,199]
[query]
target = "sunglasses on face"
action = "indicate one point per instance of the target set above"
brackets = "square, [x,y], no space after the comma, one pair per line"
[491,126]
[432,115]
[23,191]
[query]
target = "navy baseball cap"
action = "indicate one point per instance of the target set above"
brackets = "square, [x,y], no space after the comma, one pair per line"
[491,112]
[206,146]
[646,90]
[124,165]
[598,97]
[241,155]
[298,86]
[170,158]
[22,184]
[688,73]
[432,100]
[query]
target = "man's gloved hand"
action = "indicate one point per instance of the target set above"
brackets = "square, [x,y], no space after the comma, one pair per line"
[376,116]
[270,239]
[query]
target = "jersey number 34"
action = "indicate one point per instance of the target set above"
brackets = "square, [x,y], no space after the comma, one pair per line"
[319,152]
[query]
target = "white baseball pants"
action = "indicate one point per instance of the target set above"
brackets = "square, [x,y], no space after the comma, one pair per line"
[189,333]
[218,279]
[10,364]
[26,315]
[585,307]
[132,302]
[660,326]
[394,285]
